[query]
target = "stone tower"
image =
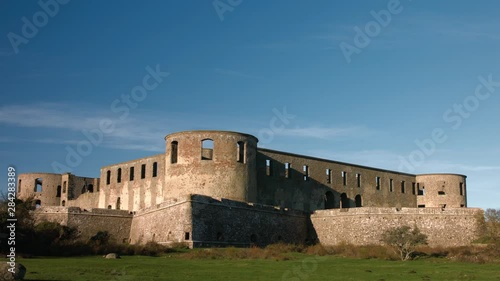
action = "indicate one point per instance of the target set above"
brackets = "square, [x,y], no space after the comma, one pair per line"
[212,163]
[441,190]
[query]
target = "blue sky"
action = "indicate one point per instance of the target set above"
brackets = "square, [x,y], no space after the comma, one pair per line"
[239,65]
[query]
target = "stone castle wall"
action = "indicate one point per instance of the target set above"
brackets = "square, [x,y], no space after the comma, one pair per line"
[89,222]
[307,190]
[362,226]
[165,223]
[133,185]
[223,222]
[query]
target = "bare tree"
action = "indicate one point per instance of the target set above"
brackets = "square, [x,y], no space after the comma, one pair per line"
[404,240]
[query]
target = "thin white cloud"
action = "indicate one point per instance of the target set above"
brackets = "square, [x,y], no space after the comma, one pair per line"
[408,27]
[321,132]
[130,133]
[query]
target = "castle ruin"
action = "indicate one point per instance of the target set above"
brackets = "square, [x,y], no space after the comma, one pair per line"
[217,188]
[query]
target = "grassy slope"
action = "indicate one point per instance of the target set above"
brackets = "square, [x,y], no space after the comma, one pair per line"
[301,268]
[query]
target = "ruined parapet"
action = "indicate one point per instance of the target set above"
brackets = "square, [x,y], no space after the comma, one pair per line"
[212,163]
[44,187]
[442,190]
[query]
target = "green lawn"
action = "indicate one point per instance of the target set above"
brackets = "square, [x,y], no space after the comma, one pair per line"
[302,267]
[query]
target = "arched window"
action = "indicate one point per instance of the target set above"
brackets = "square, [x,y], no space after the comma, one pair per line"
[90,188]
[108,177]
[119,175]
[329,200]
[240,147]
[38,204]
[64,187]
[207,149]
[344,201]
[38,185]
[357,199]
[58,193]
[109,207]
[174,149]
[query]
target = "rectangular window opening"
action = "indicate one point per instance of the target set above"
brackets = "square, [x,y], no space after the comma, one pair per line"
[288,166]
[377,183]
[391,185]
[413,188]
[143,171]
[305,168]
[186,236]
[173,152]
[344,178]
[358,179]
[268,167]
[328,176]
[131,174]
[108,177]
[241,152]
[461,189]
[155,169]
[403,187]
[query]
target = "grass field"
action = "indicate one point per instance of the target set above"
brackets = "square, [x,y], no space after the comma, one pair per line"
[300,267]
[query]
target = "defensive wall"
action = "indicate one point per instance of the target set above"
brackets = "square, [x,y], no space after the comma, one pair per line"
[199,220]
[362,226]
[89,222]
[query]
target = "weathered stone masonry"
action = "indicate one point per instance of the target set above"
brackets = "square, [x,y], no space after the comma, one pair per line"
[216,188]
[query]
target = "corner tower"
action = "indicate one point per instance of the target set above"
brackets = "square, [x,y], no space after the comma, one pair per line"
[442,190]
[212,163]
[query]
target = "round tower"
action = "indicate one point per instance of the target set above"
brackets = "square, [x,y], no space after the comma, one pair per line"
[212,163]
[45,188]
[442,190]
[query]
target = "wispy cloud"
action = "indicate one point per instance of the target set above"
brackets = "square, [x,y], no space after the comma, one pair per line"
[64,124]
[415,26]
[322,132]
[128,134]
